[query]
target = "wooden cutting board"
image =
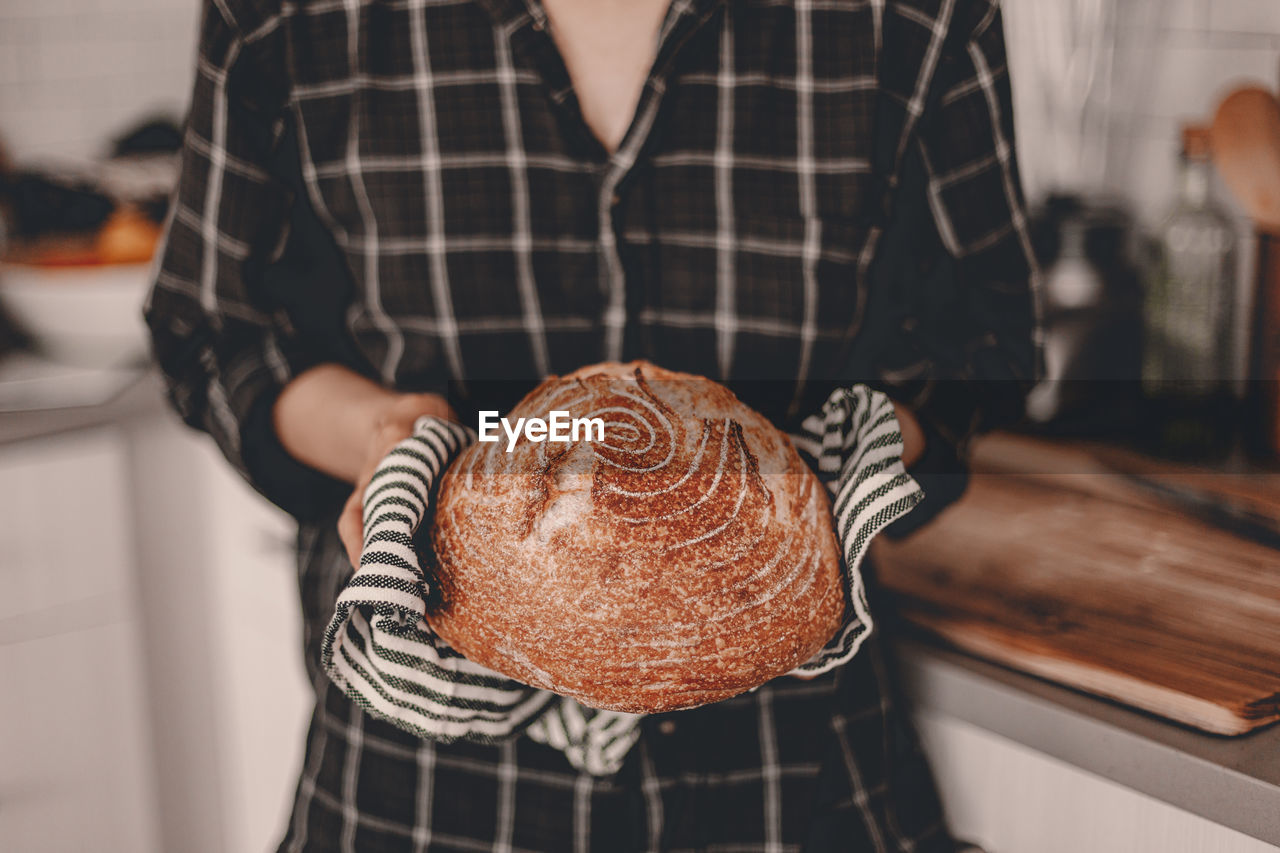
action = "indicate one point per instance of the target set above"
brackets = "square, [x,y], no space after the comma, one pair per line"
[1055,564]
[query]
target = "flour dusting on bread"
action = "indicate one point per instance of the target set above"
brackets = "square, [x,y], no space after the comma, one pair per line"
[686,558]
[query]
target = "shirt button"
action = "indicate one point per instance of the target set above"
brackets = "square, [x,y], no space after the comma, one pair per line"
[667,727]
[615,200]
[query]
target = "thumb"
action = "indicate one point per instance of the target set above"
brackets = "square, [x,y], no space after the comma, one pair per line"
[351,526]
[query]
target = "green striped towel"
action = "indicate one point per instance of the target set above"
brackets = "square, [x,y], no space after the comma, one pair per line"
[380,651]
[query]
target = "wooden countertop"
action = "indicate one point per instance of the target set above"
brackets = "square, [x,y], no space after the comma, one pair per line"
[1062,561]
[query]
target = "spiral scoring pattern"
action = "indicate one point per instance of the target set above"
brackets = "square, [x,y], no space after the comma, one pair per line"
[686,558]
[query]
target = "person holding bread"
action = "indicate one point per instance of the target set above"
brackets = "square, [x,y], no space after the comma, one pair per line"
[391,209]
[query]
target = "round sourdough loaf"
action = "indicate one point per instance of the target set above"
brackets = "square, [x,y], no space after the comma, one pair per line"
[686,558]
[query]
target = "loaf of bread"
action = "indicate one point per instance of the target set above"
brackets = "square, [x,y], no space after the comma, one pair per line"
[687,557]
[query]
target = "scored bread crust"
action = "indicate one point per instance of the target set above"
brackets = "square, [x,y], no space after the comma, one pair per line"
[687,558]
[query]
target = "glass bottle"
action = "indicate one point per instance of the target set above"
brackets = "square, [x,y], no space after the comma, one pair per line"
[1189,318]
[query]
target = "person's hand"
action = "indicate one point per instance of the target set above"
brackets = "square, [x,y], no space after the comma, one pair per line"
[393,425]
[344,424]
[913,438]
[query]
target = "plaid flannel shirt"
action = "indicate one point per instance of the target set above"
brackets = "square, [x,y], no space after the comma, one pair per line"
[482,235]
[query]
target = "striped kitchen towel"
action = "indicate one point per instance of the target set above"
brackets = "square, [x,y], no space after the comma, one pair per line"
[381,652]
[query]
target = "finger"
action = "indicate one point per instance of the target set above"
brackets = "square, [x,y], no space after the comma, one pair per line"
[383,442]
[439,407]
[351,527]
[433,405]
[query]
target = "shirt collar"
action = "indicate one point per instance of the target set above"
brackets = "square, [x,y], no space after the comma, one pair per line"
[512,15]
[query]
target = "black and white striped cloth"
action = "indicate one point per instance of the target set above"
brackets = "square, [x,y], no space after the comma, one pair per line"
[381,652]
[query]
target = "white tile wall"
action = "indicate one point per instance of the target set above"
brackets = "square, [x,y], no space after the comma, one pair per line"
[1186,14]
[1244,16]
[1175,60]
[1190,79]
[75,73]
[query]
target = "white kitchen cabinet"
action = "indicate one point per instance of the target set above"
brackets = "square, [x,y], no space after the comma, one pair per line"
[75,757]
[152,695]
[76,760]
[225,628]
[1011,799]
[265,700]
[65,532]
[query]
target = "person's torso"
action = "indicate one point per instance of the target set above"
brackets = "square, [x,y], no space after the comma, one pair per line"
[489,235]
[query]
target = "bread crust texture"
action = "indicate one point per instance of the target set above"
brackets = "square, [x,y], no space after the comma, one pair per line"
[687,557]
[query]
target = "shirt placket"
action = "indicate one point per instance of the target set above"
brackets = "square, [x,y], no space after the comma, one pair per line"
[683,19]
